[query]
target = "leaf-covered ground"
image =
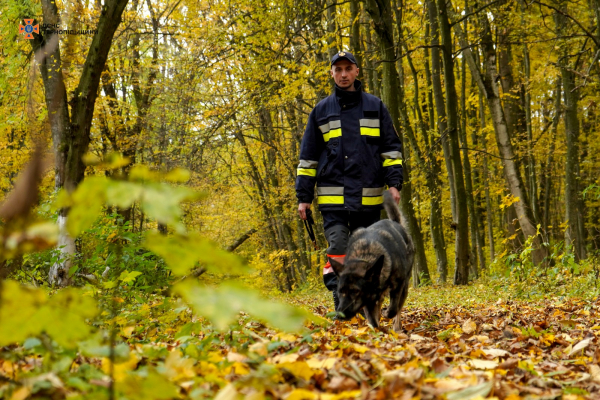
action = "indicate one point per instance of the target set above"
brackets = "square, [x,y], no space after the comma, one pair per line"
[460,350]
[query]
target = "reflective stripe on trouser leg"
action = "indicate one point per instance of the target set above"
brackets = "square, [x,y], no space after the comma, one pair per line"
[337,237]
[327,268]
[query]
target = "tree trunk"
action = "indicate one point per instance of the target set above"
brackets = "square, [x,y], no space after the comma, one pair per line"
[486,180]
[487,84]
[574,235]
[71,135]
[476,240]
[381,14]
[461,272]
[432,170]
[438,95]
[355,35]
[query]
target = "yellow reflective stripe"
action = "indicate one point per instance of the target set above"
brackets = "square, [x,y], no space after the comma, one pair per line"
[390,162]
[332,134]
[369,131]
[307,171]
[332,200]
[372,201]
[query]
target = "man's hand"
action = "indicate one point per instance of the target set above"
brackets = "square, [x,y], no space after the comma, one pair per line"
[395,194]
[302,207]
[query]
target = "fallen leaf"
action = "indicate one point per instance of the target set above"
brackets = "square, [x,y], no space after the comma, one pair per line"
[325,363]
[342,383]
[477,391]
[595,372]
[483,364]
[301,394]
[580,346]
[299,369]
[228,393]
[495,352]
[509,364]
[469,326]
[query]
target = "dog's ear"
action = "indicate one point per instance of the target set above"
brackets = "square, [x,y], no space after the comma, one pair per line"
[374,270]
[337,266]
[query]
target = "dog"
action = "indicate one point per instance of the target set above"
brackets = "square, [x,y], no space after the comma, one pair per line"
[379,260]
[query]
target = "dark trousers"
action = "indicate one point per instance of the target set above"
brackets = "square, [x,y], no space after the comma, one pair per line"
[337,244]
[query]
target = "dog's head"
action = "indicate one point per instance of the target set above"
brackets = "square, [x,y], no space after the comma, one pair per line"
[358,284]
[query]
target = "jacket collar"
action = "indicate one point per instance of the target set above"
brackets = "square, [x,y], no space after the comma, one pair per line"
[348,99]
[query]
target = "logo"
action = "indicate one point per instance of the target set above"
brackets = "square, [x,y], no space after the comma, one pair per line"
[29,28]
[342,54]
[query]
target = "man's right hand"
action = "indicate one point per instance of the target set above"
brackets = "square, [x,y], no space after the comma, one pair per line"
[302,207]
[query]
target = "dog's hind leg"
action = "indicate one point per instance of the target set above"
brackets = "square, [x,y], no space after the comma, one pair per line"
[402,299]
[395,298]
[403,295]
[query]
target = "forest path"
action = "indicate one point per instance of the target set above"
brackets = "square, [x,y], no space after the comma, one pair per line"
[503,349]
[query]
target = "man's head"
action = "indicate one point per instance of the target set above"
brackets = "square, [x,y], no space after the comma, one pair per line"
[344,70]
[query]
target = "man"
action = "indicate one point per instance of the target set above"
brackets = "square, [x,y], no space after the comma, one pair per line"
[350,149]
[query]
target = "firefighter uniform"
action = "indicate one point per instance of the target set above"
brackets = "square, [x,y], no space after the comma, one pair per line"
[351,151]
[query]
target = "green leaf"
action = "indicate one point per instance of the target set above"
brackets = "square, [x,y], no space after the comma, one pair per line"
[182,252]
[31,343]
[123,194]
[64,316]
[17,308]
[149,385]
[88,200]
[128,277]
[178,175]
[26,312]
[221,305]
[161,201]
[110,284]
[481,390]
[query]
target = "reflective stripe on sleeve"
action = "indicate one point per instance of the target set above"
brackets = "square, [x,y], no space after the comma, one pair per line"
[391,158]
[331,130]
[332,134]
[388,163]
[308,164]
[307,171]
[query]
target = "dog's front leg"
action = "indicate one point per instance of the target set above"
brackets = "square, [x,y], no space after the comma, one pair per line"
[393,309]
[372,314]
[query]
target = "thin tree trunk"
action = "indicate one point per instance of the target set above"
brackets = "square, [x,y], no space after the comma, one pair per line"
[432,172]
[461,272]
[476,241]
[71,134]
[486,180]
[381,14]
[355,36]
[438,95]
[487,84]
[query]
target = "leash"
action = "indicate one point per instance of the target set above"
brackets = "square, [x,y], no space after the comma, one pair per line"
[308,223]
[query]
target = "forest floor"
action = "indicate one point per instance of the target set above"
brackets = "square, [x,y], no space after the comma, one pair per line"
[457,343]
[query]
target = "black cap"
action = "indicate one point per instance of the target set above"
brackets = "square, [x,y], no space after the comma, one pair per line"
[343,55]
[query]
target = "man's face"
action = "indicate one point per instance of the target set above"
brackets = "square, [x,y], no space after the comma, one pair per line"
[344,74]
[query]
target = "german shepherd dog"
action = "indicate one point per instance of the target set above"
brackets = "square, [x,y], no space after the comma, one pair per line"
[379,260]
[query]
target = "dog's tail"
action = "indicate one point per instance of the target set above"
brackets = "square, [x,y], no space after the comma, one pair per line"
[391,208]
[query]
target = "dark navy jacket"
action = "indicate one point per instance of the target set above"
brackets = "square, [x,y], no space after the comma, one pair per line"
[351,150]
